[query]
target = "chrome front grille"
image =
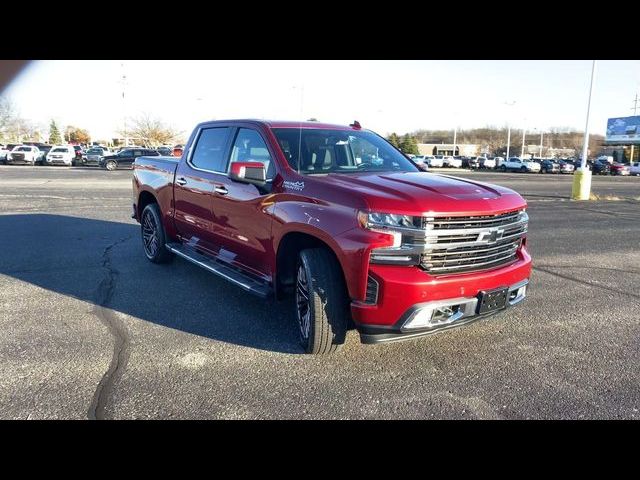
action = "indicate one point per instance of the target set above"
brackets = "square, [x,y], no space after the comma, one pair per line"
[450,223]
[468,244]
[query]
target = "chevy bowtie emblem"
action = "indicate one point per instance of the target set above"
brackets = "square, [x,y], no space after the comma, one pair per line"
[491,236]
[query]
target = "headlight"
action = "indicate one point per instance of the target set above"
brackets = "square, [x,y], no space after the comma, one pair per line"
[373,220]
[397,252]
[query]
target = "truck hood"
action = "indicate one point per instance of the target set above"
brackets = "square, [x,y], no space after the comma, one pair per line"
[419,193]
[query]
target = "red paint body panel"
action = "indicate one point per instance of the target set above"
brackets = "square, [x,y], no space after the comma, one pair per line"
[248,224]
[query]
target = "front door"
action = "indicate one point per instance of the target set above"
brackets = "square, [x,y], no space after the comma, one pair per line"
[243,213]
[195,180]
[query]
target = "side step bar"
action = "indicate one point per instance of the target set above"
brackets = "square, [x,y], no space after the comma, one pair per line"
[250,284]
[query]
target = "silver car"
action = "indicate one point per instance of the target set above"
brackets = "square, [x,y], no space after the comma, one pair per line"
[94,155]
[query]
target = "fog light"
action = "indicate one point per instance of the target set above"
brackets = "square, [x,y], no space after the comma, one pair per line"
[518,295]
[420,319]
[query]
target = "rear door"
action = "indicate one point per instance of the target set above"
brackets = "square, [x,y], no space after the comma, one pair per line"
[204,169]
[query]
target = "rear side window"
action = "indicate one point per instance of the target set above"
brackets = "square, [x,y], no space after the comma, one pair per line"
[210,150]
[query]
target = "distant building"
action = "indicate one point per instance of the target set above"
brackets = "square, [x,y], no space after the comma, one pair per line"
[466,150]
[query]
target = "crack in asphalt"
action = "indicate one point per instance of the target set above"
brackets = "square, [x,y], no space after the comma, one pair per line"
[117,329]
[577,280]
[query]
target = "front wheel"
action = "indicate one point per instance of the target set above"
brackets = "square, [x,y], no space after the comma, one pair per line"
[111,165]
[153,235]
[523,169]
[321,302]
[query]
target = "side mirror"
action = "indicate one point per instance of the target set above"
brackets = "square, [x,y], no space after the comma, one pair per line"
[248,172]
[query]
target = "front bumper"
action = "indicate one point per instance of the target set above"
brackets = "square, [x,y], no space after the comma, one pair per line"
[402,290]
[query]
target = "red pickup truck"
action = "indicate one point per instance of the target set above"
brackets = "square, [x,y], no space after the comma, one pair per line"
[340,219]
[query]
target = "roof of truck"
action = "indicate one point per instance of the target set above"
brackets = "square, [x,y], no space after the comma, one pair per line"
[290,124]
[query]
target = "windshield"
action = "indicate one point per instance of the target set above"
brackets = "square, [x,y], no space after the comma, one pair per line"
[339,151]
[60,149]
[94,151]
[23,149]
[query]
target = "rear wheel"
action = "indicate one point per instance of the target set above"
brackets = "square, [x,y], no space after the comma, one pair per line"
[111,165]
[523,169]
[153,235]
[503,168]
[321,302]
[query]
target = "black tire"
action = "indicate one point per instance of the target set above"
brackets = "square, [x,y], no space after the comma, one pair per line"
[111,165]
[523,169]
[153,235]
[323,312]
[503,168]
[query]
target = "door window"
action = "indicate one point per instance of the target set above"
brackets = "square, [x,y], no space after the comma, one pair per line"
[250,147]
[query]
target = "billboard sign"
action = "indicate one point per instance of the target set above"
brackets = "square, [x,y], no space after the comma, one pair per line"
[623,130]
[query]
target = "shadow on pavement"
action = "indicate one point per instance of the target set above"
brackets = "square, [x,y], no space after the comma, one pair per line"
[73,256]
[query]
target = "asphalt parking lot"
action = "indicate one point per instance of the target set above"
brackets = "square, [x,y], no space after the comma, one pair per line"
[90,329]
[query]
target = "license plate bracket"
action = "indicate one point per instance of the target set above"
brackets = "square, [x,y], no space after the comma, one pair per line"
[492,300]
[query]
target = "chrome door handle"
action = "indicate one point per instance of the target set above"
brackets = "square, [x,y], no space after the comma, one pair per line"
[220,190]
[181,181]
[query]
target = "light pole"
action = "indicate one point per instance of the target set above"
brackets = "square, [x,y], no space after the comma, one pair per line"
[455,134]
[510,104]
[541,133]
[524,134]
[582,177]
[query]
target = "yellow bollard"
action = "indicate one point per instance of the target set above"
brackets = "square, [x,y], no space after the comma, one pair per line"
[581,184]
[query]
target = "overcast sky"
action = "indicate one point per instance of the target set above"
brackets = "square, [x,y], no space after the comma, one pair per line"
[384,96]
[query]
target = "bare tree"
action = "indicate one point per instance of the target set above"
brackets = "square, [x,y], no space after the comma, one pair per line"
[7,117]
[151,130]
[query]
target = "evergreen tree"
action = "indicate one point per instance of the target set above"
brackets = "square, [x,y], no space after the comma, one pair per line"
[409,145]
[394,140]
[54,134]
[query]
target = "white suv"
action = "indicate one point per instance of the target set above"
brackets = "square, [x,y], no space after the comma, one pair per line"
[519,165]
[24,154]
[452,162]
[61,155]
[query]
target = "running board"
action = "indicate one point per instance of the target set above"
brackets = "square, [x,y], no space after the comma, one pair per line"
[250,284]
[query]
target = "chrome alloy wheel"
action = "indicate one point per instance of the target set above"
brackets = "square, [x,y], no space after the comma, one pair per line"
[149,235]
[302,304]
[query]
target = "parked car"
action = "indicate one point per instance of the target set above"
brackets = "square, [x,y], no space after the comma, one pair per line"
[165,151]
[601,167]
[126,157]
[436,161]
[452,162]
[635,169]
[94,155]
[549,166]
[25,155]
[257,204]
[61,155]
[471,162]
[620,169]
[78,156]
[517,164]
[566,167]
[44,149]
[606,158]
[499,161]
[420,161]
[3,153]
[487,162]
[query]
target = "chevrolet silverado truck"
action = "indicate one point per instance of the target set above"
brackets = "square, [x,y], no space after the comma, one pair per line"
[340,221]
